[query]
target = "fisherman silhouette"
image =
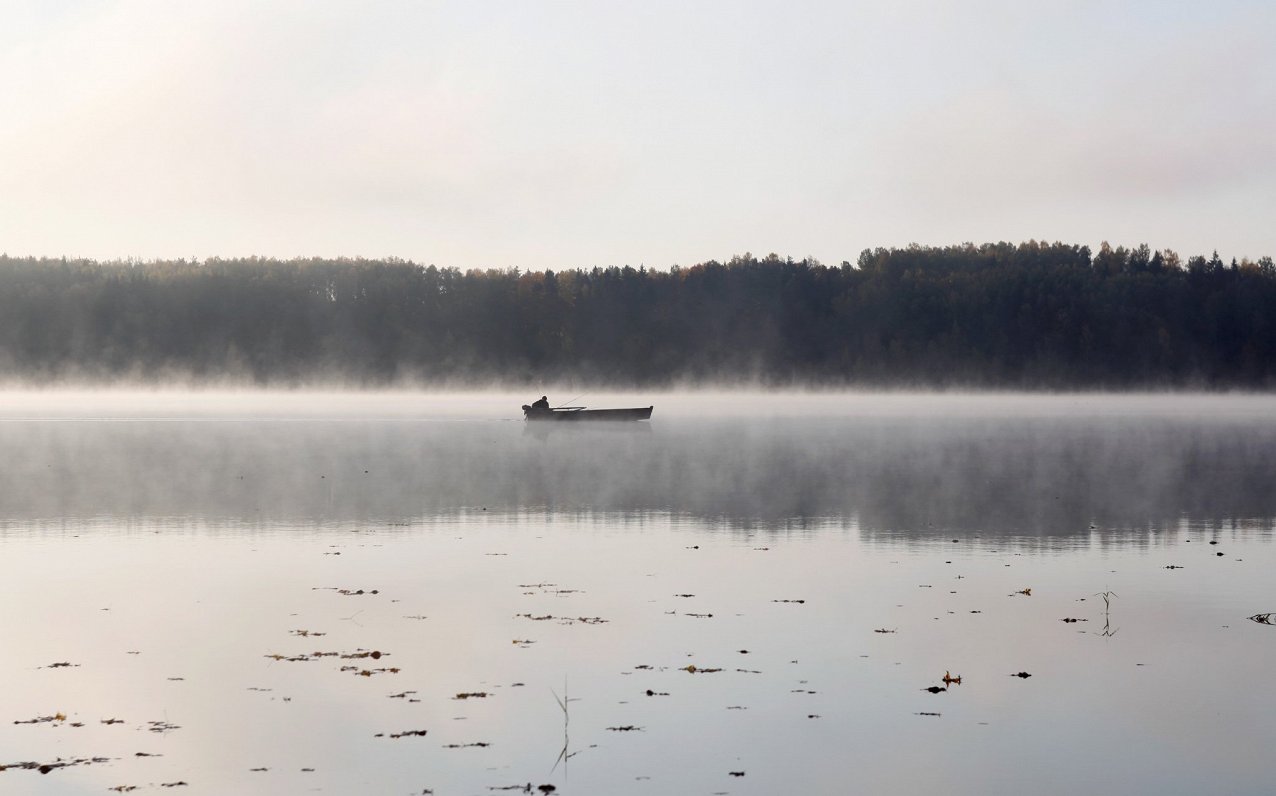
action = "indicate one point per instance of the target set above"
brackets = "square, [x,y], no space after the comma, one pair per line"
[543,403]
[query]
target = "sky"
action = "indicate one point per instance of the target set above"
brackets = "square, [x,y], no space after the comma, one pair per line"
[478,134]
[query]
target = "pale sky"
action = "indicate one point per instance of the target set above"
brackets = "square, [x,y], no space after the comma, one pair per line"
[571,134]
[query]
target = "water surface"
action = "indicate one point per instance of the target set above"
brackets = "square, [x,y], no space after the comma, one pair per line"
[750,594]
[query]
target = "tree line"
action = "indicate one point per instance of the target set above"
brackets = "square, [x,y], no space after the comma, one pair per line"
[998,315]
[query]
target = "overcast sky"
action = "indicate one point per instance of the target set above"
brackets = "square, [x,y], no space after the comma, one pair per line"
[572,134]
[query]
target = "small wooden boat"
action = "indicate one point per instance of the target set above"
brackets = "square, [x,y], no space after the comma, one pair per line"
[574,413]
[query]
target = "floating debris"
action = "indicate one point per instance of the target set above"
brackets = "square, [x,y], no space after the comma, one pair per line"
[349,656]
[1022,675]
[472,694]
[59,716]
[403,695]
[523,642]
[404,734]
[924,713]
[789,601]
[181,784]
[346,592]
[369,672]
[1173,566]
[112,721]
[657,693]
[466,745]
[45,768]
[625,728]
[700,616]
[1070,620]
[885,630]
[1024,592]
[935,689]
[564,620]
[161,726]
[306,633]
[691,667]
[60,665]
[736,773]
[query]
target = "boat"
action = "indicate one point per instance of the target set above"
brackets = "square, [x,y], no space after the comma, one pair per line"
[576,413]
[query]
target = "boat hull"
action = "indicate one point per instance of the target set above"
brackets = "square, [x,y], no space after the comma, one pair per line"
[586,415]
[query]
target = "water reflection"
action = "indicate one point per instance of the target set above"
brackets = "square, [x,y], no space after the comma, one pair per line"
[1022,476]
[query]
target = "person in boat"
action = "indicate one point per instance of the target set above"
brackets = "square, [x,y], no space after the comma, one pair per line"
[543,403]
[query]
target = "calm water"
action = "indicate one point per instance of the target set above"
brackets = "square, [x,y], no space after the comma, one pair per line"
[255,593]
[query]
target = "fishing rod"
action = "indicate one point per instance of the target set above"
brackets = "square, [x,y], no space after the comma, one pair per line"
[564,405]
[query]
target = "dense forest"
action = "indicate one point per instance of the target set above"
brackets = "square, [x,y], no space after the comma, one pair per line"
[1032,315]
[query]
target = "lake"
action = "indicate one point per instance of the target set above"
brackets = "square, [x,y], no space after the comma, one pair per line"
[403,593]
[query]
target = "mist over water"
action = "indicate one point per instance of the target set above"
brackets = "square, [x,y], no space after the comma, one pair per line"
[906,463]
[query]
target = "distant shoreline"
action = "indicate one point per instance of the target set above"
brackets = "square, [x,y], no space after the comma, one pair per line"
[1031,316]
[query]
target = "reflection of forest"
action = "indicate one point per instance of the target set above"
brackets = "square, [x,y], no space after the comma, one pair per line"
[999,314]
[917,476]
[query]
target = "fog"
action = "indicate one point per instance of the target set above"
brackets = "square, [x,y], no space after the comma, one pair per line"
[888,463]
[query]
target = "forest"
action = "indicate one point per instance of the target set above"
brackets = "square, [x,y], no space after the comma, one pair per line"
[1015,316]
